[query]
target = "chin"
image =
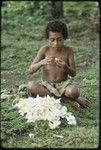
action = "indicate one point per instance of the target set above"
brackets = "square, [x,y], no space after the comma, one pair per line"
[55,46]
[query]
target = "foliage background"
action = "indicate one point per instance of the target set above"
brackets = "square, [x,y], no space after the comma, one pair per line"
[22,27]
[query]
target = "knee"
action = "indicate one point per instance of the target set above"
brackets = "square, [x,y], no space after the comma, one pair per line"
[31,86]
[72,91]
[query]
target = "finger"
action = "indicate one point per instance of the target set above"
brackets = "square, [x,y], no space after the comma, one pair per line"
[49,60]
[58,64]
[49,57]
[58,59]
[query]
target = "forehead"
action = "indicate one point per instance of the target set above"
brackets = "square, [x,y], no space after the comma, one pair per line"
[55,35]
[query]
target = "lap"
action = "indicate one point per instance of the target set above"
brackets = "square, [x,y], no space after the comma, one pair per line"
[56,89]
[37,88]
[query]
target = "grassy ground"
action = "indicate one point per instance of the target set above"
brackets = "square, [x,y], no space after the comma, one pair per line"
[19,47]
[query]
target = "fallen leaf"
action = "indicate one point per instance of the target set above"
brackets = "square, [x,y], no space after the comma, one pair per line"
[58,136]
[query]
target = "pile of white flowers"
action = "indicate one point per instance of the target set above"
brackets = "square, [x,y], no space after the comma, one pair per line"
[44,108]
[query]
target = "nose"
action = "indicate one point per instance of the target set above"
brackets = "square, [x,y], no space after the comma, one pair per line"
[55,42]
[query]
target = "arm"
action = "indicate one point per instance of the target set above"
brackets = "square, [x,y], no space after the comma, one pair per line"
[39,61]
[36,64]
[71,69]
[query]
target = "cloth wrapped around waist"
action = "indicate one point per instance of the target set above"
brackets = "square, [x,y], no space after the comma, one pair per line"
[57,89]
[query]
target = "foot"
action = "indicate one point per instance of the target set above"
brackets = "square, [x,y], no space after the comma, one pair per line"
[73,103]
[84,103]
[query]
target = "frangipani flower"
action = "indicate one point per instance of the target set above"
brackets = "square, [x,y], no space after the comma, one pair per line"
[71,119]
[44,108]
[54,124]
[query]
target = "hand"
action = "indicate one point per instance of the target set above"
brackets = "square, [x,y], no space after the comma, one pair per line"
[48,60]
[60,63]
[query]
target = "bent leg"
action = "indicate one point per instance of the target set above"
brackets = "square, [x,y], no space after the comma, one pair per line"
[72,102]
[72,93]
[83,103]
[38,89]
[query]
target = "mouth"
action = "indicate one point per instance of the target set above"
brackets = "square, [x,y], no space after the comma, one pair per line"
[55,46]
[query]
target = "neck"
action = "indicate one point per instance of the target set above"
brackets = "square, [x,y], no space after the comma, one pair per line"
[57,48]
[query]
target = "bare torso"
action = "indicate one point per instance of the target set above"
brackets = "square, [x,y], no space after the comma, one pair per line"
[52,72]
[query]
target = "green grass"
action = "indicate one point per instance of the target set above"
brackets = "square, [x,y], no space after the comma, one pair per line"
[20,43]
[84,135]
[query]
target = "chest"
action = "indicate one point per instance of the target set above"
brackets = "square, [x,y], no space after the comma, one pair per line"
[62,55]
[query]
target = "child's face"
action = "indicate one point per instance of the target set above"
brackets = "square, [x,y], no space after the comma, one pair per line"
[55,39]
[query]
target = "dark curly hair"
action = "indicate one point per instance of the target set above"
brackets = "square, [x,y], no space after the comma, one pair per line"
[56,26]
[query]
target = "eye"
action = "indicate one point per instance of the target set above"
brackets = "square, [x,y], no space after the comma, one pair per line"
[52,40]
[59,39]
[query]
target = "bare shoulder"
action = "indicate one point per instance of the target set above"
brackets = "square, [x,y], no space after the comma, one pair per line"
[43,49]
[68,49]
[41,54]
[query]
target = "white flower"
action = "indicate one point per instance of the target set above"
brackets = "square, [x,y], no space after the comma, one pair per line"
[44,108]
[31,135]
[71,119]
[63,111]
[54,124]
[56,59]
